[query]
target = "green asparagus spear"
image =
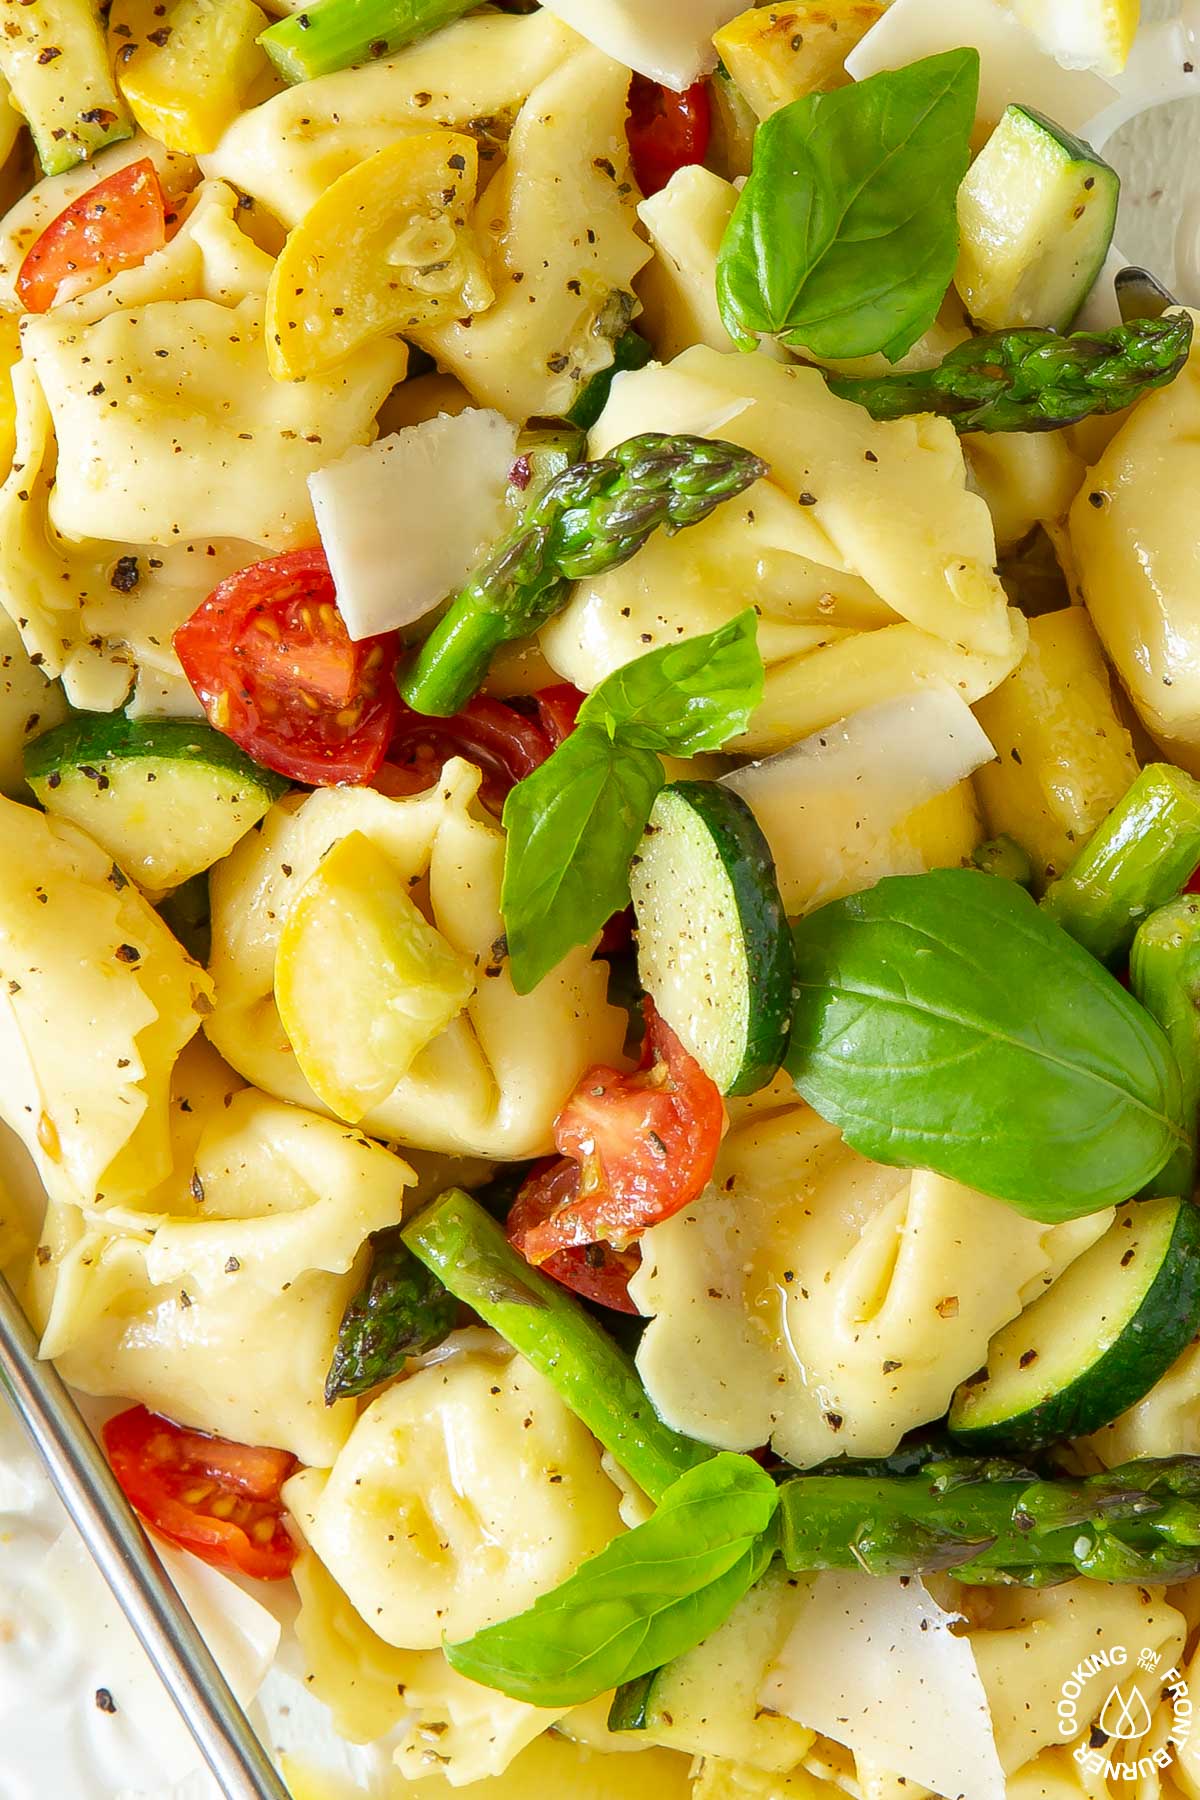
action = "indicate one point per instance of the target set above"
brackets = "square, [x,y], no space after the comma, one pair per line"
[1003,856]
[401,1310]
[1164,973]
[995,1523]
[468,1251]
[1138,859]
[333,34]
[594,517]
[1031,380]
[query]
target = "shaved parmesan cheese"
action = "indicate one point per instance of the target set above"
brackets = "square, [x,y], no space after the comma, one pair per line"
[1013,66]
[830,806]
[874,1665]
[404,521]
[670,41]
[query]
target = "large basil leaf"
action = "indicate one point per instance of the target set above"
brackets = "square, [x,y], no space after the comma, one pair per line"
[845,237]
[944,1022]
[655,1592]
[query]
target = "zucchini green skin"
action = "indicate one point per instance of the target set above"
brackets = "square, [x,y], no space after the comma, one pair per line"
[1121,1373]
[54,56]
[746,863]
[1036,217]
[1105,176]
[631,1703]
[90,739]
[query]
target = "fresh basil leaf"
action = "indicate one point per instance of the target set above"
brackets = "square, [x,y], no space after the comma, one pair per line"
[687,697]
[573,827]
[845,237]
[655,1592]
[944,1022]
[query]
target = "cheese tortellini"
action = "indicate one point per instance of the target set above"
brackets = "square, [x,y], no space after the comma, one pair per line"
[28,217]
[106,543]
[1026,1644]
[1164,1422]
[868,560]
[29,705]
[223,1314]
[823,1302]
[452,1726]
[1137,557]
[465,1491]
[290,149]
[96,1002]
[1063,756]
[491,1082]
[192,374]
[561,213]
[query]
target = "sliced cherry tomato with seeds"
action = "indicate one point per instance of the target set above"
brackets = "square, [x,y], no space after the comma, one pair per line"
[275,669]
[666,131]
[498,739]
[646,1145]
[218,1499]
[595,1271]
[116,225]
[558,709]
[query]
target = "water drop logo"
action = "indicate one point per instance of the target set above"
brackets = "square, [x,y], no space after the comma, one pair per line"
[1125,1716]
[1144,1722]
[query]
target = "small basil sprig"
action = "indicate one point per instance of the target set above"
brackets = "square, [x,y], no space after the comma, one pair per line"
[944,1022]
[655,1592]
[845,237]
[574,825]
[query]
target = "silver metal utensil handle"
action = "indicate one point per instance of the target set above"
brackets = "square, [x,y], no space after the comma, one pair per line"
[131,1567]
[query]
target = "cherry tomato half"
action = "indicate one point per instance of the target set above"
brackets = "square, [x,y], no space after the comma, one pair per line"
[666,130]
[218,1499]
[499,740]
[646,1145]
[558,709]
[596,1271]
[275,669]
[115,225]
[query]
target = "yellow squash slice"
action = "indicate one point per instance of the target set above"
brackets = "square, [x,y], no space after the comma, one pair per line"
[1083,34]
[363,982]
[185,71]
[776,53]
[389,246]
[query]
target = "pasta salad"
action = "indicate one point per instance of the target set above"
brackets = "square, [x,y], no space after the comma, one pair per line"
[599,848]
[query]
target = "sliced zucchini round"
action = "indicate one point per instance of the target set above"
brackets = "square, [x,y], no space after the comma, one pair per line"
[1096,1341]
[166,798]
[714,950]
[1035,221]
